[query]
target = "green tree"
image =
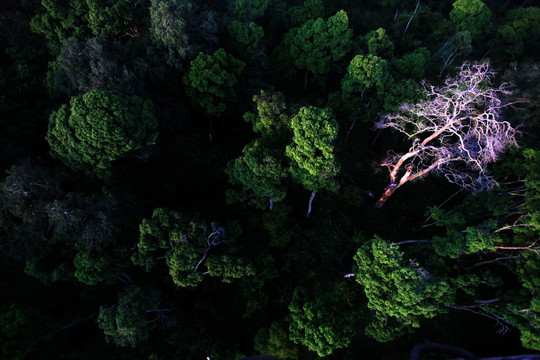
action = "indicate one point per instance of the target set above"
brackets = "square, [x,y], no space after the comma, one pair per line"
[400,293]
[320,323]
[308,10]
[379,44]
[61,20]
[100,127]
[412,65]
[126,323]
[272,116]
[521,31]
[260,171]
[472,16]
[316,43]
[363,73]
[246,36]
[274,341]
[229,267]
[92,268]
[251,9]
[187,246]
[211,79]
[312,150]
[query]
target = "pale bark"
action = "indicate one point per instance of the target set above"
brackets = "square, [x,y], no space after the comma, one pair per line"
[456,133]
[313,193]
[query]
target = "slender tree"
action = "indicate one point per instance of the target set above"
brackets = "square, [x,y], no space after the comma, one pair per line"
[312,151]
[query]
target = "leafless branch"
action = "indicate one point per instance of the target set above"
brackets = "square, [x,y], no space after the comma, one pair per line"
[457,132]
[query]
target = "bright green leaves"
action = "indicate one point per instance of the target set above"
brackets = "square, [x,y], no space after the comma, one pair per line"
[312,151]
[399,293]
[260,171]
[185,245]
[364,72]
[472,16]
[320,322]
[211,79]
[316,43]
[126,323]
[339,35]
[100,127]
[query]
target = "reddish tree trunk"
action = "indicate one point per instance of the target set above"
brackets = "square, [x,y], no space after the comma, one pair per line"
[387,193]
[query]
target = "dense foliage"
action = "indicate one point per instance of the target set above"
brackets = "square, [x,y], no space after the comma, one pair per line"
[157,159]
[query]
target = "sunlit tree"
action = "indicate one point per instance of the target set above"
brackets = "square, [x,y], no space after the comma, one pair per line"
[456,132]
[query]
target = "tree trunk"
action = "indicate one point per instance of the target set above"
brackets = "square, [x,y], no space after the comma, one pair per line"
[271,203]
[314,192]
[387,193]
[211,130]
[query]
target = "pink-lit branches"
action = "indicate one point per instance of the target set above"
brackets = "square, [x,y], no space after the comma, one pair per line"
[456,132]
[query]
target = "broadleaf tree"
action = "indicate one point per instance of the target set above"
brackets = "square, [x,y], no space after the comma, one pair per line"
[311,152]
[100,127]
[400,293]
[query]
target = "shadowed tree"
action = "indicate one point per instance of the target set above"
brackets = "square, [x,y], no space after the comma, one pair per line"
[457,47]
[456,132]
[260,171]
[272,116]
[127,322]
[246,36]
[61,20]
[92,65]
[379,44]
[312,151]
[181,29]
[211,79]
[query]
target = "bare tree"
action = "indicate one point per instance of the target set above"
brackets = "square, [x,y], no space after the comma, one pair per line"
[456,132]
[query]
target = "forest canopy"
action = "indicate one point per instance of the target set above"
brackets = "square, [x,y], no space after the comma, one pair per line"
[296,179]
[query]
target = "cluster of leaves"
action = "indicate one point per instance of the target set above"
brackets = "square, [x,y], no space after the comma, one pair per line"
[187,244]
